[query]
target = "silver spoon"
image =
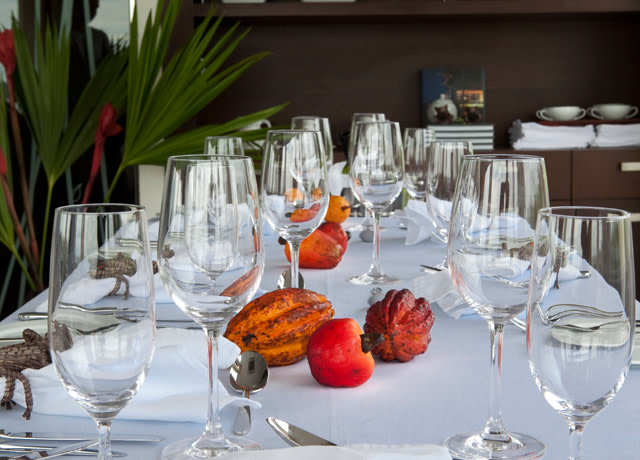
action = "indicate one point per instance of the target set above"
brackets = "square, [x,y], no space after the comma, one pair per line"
[248,374]
[284,281]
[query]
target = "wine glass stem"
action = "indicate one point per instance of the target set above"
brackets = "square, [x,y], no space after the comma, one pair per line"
[575,440]
[104,448]
[295,260]
[494,429]
[214,427]
[375,266]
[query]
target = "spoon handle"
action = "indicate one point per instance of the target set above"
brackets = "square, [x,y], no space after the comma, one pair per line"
[242,424]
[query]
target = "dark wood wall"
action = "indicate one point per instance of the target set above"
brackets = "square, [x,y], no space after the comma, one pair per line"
[336,65]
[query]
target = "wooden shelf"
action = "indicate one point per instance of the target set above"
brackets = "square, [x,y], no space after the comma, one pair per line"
[419,10]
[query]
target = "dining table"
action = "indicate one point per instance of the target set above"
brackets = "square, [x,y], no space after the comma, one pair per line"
[441,392]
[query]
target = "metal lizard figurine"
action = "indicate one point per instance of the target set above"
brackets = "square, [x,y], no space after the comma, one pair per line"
[116,268]
[32,354]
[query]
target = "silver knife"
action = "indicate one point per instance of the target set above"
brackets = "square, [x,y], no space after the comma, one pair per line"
[33,315]
[296,436]
[23,449]
[53,452]
[24,436]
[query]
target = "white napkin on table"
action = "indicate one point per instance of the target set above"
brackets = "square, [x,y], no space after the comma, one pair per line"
[355,452]
[416,218]
[438,288]
[533,135]
[175,388]
[336,180]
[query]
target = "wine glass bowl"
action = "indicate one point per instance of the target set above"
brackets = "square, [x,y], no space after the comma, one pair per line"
[223,145]
[376,172]
[417,142]
[320,124]
[211,259]
[294,192]
[490,244]
[443,165]
[580,330]
[101,257]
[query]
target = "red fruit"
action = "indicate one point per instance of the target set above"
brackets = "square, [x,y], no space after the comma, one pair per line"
[338,353]
[405,323]
[336,232]
[318,250]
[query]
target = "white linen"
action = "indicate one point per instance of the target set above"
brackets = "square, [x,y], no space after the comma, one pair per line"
[617,135]
[355,452]
[438,288]
[533,135]
[336,180]
[416,219]
[175,388]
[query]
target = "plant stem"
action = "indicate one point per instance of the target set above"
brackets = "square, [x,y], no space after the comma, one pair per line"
[21,236]
[24,184]
[43,245]
[107,198]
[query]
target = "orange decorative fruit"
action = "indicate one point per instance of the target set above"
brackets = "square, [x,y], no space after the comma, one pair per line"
[293,194]
[316,195]
[339,209]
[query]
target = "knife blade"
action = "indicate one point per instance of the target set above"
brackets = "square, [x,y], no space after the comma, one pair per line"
[15,449]
[295,435]
[42,436]
[53,452]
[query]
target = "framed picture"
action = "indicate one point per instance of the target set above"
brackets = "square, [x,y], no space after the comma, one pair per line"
[452,95]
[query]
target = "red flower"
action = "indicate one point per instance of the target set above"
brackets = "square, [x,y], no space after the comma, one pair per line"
[7,52]
[3,164]
[107,126]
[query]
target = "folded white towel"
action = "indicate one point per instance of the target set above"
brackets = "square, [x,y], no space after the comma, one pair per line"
[175,388]
[617,135]
[532,135]
[355,452]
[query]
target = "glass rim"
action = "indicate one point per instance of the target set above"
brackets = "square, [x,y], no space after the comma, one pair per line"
[194,157]
[292,131]
[379,122]
[94,208]
[308,117]
[585,212]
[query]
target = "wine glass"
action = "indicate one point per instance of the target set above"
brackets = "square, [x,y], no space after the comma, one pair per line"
[223,145]
[100,257]
[355,118]
[442,174]
[491,237]
[416,155]
[211,259]
[580,329]
[313,123]
[376,172]
[294,190]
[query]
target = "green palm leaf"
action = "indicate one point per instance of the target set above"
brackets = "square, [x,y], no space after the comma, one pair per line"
[7,234]
[161,99]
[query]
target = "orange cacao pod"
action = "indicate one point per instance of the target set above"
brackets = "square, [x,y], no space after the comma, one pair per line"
[279,323]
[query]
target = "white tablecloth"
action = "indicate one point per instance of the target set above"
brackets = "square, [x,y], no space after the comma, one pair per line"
[442,392]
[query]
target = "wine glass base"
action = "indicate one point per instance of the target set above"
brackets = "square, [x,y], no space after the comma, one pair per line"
[472,446]
[184,450]
[369,278]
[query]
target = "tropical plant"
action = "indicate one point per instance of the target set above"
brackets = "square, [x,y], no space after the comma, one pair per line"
[157,99]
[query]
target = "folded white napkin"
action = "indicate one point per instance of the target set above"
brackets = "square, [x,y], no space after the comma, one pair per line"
[438,288]
[416,218]
[536,136]
[175,388]
[336,180]
[355,452]
[617,135]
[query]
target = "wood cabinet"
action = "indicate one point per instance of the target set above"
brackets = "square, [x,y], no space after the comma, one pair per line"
[596,177]
[334,59]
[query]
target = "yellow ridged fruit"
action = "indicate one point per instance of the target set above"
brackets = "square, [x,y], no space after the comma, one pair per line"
[279,323]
